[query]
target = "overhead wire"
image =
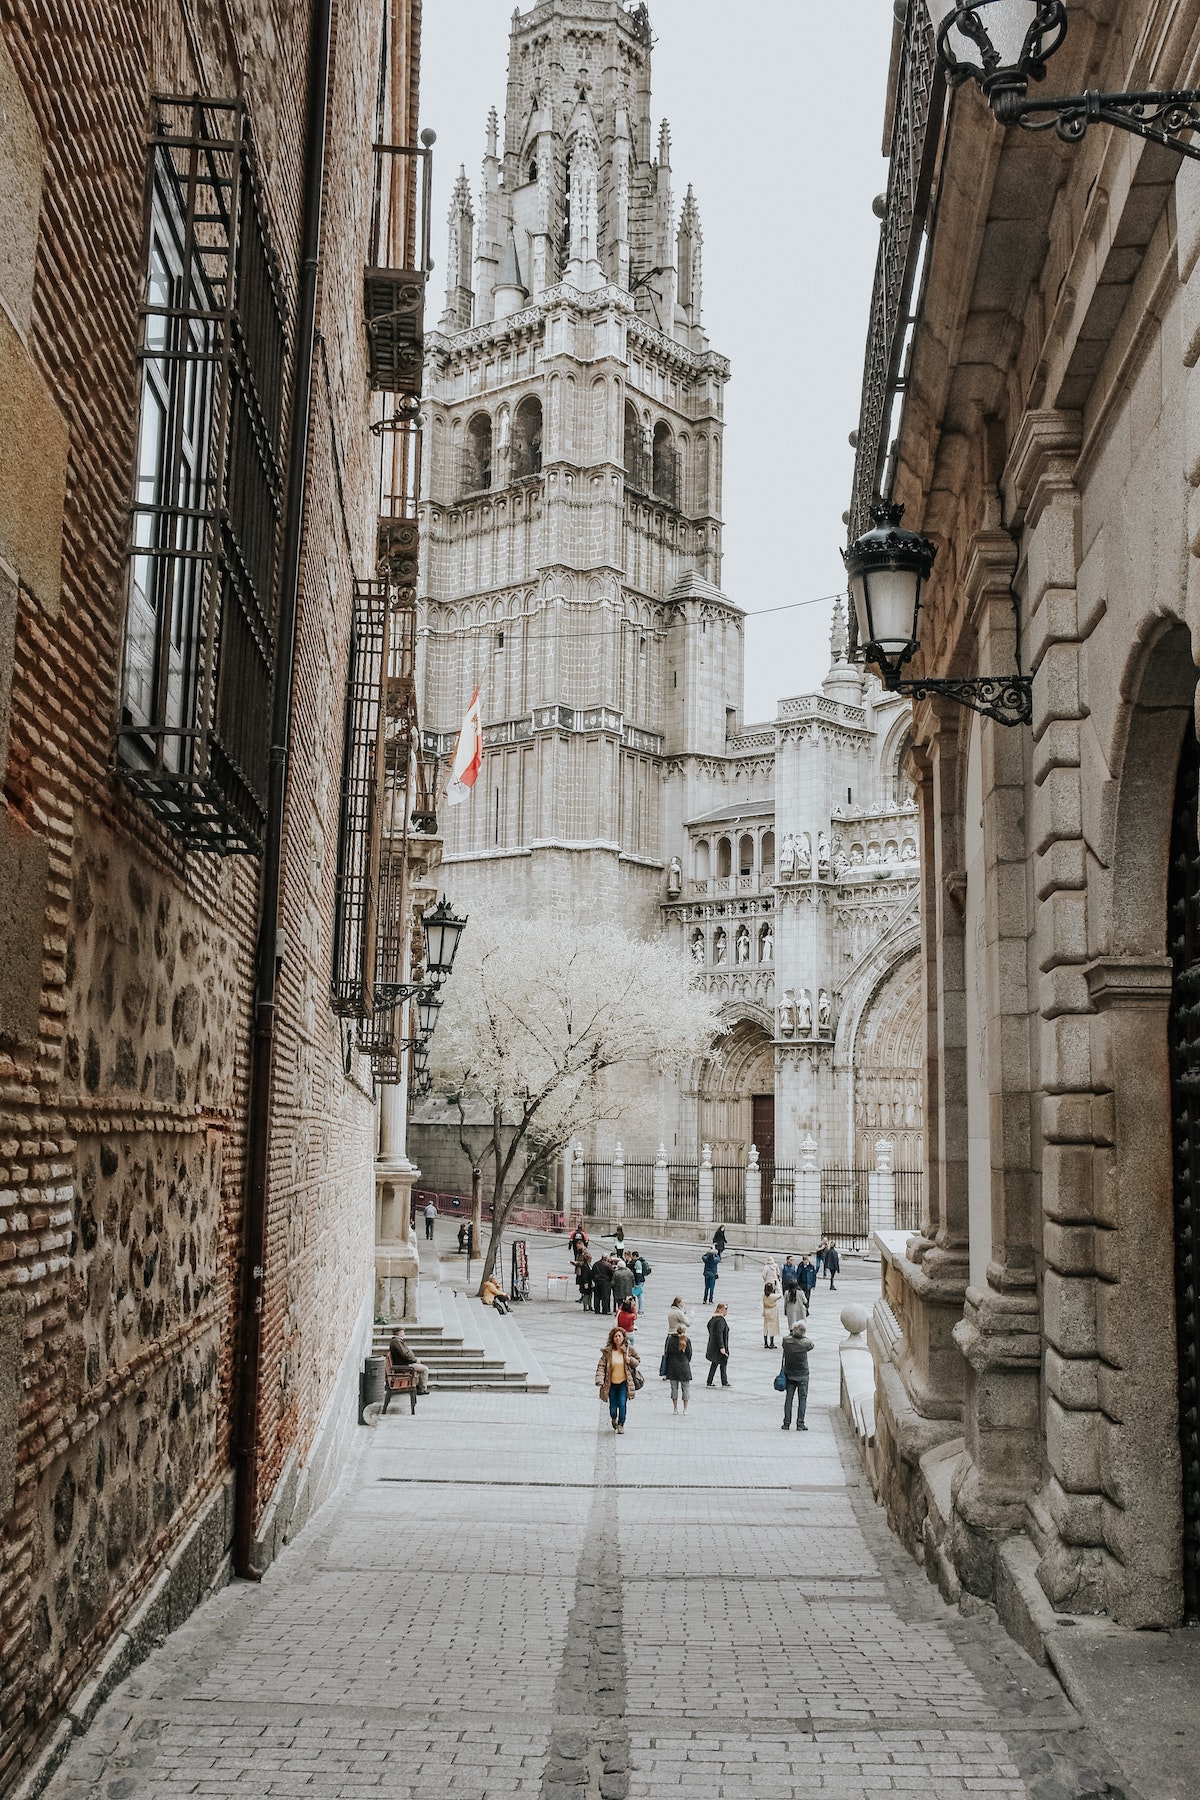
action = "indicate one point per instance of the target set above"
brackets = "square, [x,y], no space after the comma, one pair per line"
[514,623]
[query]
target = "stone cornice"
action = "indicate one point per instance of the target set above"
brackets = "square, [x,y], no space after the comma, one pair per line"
[1040,463]
[1129,982]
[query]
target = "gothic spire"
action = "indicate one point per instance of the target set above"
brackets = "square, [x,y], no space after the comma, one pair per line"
[461,257]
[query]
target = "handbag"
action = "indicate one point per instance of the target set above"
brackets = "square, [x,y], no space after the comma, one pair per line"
[781,1383]
[639,1381]
[662,1367]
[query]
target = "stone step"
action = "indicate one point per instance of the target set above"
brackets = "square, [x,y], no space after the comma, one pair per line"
[470,1346]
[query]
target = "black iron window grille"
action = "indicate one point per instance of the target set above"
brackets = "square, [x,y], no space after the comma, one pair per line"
[199,639]
[362,788]
[915,136]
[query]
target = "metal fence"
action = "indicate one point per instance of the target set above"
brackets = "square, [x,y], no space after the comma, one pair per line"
[729,1193]
[844,1205]
[908,1199]
[639,1190]
[779,1194]
[597,1189]
[683,1192]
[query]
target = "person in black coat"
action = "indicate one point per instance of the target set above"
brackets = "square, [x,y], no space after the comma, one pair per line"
[718,1346]
[796,1346]
[719,1240]
[583,1280]
[833,1263]
[808,1281]
[677,1367]
[602,1274]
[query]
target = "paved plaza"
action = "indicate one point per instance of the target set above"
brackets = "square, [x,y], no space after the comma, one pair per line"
[507,1599]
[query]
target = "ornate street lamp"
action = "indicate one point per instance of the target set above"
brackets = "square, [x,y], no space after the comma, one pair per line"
[1005,44]
[888,568]
[443,929]
[442,932]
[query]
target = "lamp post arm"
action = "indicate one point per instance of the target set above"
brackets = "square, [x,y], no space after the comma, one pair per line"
[1158,117]
[1006,698]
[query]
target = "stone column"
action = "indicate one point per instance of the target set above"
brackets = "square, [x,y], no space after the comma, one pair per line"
[397,1260]
[881,1191]
[568,1196]
[617,1187]
[999,1333]
[706,1189]
[661,1186]
[753,1191]
[808,1195]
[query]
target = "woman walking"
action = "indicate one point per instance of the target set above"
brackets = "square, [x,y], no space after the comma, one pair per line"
[770,1274]
[678,1360]
[616,1375]
[770,1317]
[677,1318]
[718,1345]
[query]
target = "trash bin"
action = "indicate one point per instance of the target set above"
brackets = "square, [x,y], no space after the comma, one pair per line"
[370,1384]
[739,1260]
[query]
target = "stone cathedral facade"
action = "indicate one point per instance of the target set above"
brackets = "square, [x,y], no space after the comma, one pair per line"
[572,566]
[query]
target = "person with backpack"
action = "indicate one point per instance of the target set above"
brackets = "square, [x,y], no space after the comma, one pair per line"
[796,1346]
[641,1268]
[711,1268]
[718,1345]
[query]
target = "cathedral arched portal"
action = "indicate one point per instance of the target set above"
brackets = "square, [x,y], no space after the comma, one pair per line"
[888,1062]
[740,1070]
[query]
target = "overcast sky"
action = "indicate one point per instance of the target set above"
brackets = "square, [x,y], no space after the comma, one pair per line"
[776,110]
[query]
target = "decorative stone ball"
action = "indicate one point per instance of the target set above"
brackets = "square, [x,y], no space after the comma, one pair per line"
[855,1318]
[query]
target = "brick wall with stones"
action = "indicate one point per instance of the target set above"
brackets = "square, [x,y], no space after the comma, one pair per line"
[126,966]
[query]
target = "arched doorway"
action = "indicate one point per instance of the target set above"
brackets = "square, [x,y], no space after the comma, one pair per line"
[742,1068]
[889,1064]
[1183,947]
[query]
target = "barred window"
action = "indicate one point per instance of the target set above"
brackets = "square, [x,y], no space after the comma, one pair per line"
[199,638]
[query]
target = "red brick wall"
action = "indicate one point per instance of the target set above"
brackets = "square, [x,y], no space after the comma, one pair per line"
[122,1131]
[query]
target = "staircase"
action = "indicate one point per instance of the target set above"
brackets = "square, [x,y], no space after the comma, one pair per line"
[467,1346]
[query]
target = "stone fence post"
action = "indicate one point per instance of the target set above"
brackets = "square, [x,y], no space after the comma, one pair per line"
[881,1192]
[662,1185]
[706,1188]
[616,1190]
[753,1191]
[568,1196]
[808,1196]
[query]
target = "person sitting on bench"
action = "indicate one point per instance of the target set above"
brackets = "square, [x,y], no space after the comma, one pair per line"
[400,1357]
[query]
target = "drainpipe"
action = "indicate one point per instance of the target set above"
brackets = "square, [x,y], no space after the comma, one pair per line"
[254,1250]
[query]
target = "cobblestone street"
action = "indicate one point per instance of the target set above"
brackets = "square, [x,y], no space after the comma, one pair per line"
[506,1598]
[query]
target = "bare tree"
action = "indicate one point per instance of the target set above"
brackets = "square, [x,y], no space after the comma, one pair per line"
[552,1029]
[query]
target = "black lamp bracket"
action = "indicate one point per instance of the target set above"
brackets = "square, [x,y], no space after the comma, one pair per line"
[389,994]
[1160,118]
[1006,698]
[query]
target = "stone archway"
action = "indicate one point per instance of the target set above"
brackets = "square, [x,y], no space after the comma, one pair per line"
[888,1057]
[742,1066]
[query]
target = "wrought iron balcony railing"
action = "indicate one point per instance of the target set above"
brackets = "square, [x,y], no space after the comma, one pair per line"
[918,106]
[398,266]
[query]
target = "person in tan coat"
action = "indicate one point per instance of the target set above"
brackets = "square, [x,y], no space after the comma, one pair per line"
[770,1316]
[617,1375]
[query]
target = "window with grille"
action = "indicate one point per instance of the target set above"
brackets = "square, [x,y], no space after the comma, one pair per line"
[199,639]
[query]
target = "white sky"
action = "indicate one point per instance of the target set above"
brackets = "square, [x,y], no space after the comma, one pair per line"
[776,110]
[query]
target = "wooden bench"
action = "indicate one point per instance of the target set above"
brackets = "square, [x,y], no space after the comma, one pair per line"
[401,1381]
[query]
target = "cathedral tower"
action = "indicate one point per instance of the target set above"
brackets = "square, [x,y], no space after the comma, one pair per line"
[572,532]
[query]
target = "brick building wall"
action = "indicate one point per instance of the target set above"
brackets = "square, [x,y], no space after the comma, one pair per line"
[126,963]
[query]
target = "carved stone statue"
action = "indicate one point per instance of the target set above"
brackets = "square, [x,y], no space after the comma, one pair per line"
[742,946]
[787,1014]
[822,853]
[885,1150]
[787,856]
[697,946]
[804,1010]
[808,1154]
[824,1010]
[804,854]
[720,947]
[766,945]
[841,861]
[674,879]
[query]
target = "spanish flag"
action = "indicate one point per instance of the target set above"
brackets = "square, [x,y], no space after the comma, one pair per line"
[468,756]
